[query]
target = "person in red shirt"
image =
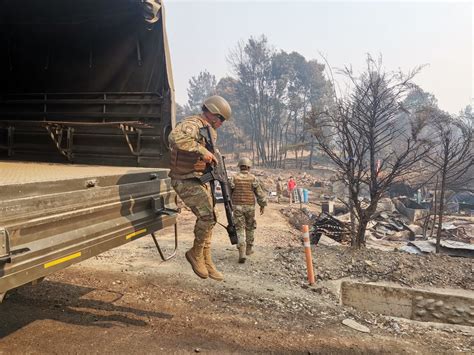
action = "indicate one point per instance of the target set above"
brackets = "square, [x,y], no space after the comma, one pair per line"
[291,188]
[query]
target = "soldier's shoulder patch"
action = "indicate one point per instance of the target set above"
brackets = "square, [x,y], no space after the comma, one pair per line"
[189,127]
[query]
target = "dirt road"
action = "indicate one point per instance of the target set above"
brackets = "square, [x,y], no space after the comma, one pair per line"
[127,301]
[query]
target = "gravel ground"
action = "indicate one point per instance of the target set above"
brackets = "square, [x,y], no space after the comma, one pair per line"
[127,301]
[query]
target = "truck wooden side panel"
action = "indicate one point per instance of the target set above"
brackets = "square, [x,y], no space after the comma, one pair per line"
[85,82]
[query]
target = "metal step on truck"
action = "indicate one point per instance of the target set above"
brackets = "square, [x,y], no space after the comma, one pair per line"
[86,106]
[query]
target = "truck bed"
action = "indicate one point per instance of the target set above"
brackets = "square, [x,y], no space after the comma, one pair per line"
[54,215]
[26,179]
[12,173]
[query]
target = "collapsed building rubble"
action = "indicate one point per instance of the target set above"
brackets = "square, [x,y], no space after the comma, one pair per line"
[390,226]
[399,222]
[298,217]
[461,202]
[412,210]
[448,247]
[331,227]
[458,230]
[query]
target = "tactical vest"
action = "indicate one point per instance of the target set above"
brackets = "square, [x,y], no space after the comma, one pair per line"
[243,192]
[279,186]
[184,162]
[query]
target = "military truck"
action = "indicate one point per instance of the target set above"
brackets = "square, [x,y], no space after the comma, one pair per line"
[86,106]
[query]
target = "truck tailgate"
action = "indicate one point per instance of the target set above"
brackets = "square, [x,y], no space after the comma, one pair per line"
[54,215]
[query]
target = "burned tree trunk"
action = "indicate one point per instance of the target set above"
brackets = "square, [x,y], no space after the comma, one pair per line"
[441,209]
[452,158]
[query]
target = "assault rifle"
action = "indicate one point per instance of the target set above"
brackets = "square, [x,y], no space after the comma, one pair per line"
[218,173]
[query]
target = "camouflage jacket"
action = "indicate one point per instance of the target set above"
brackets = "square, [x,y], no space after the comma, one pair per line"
[186,138]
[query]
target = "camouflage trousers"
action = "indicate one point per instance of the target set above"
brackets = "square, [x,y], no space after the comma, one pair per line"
[245,223]
[198,198]
[279,196]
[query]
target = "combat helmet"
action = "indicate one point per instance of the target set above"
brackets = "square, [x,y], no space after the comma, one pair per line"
[245,162]
[217,105]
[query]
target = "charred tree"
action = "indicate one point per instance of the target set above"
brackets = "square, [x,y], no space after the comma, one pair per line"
[359,135]
[452,159]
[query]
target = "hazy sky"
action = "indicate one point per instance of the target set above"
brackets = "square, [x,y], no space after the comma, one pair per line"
[405,33]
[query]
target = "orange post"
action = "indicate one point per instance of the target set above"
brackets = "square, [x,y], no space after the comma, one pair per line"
[307,251]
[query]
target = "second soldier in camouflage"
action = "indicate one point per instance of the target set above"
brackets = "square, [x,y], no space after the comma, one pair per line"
[245,190]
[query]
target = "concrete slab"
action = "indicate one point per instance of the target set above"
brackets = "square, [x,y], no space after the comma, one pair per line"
[378,299]
[421,305]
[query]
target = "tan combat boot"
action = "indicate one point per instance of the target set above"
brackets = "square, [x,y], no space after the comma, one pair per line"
[248,250]
[196,259]
[211,268]
[242,257]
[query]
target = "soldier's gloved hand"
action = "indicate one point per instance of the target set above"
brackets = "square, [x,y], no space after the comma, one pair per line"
[262,209]
[210,158]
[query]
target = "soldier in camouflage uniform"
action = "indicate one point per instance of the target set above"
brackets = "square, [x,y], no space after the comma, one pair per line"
[279,188]
[245,187]
[189,157]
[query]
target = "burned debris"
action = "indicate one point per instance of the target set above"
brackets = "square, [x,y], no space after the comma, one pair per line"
[330,227]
